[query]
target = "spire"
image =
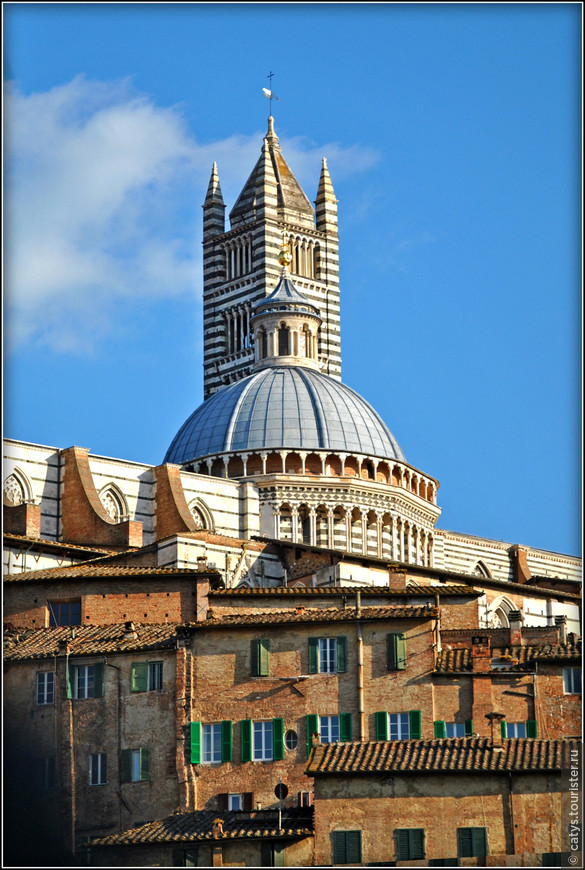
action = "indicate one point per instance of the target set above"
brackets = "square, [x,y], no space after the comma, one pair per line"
[214,190]
[266,189]
[213,208]
[326,203]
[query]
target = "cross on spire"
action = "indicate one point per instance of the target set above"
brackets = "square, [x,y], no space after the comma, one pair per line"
[268,92]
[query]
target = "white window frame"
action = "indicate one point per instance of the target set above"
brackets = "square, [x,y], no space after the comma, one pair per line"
[84,682]
[454,729]
[235,802]
[291,737]
[329,729]
[155,676]
[45,687]
[398,726]
[572,681]
[262,741]
[211,743]
[98,768]
[327,655]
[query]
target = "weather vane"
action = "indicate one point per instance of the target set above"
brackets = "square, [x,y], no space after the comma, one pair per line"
[268,91]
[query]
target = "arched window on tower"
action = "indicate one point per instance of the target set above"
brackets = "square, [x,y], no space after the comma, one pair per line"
[283,340]
[317,261]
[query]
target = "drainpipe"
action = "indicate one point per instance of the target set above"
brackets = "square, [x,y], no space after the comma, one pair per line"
[119,717]
[437,602]
[511,809]
[360,675]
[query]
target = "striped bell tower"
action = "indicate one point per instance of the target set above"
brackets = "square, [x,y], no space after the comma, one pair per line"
[241,265]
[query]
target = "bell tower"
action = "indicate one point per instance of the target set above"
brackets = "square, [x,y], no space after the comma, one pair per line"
[241,264]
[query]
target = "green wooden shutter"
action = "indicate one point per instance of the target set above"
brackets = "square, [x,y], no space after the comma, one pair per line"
[353,847]
[503,727]
[479,842]
[341,655]
[278,739]
[246,739]
[402,845]
[415,724]
[312,726]
[98,680]
[345,727]
[195,742]
[125,765]
[226,740]
[139,676]
[464,843]
[439,728]
[531,728]
[144,764]
[70,677]
[396,652]
[469,727]
[381,726]
[313,655]
[339,848]
[264,657]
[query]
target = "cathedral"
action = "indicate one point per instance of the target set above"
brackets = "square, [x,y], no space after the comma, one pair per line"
[284,537]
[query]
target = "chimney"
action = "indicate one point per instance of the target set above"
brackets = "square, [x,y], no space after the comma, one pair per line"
[201,563]
[515,619]
[520,567]
[315,739]
[561,624]
[358,603]
[129,631]
[495,720]
[396,577]
[481,656]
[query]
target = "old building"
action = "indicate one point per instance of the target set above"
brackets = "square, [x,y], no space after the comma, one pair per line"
[183,639]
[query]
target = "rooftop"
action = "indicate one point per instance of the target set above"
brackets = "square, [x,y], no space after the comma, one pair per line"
[97,569]
[198,825]
[41,643]
[341,591]
[457,660]
[458,755]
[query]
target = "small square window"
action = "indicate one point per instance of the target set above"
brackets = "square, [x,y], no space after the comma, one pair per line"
[398,726]
[454,729]
[515,729]
[572,681]
[64,613]
[235,802]
[329,729]
[98,768]
[45,687]
[262,741]
[211,743]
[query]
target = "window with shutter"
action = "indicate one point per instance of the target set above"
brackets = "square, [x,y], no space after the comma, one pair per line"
[396,651]
[346,847]
[345,727]
[312,728]
[415,717]
[381,726]
[341,655]
[313,654]
[260,657]
[471,842]
[469,727]
[195,742]
[226,740]
[531,728]
[439,728]
[278,739]
[138,676]
[410,844]
[246,739]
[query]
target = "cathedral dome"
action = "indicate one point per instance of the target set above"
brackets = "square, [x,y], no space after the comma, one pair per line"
[288,407]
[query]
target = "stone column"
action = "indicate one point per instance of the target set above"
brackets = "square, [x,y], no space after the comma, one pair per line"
[294,512]
[330,529]
[313,527]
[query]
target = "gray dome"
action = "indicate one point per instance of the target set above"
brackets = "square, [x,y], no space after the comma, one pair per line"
[284,407]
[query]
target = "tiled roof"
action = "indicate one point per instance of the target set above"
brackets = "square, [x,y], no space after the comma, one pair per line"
[458,755]
[450,660]
[221,540]
[372,591]
[280,617]
[198,825]
[10,538]
[40,643]
[96,568]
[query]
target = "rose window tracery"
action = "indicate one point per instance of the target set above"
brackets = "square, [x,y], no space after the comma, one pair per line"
[13,490]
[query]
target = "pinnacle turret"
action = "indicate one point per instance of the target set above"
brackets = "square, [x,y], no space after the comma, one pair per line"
[213,207]
[326,202]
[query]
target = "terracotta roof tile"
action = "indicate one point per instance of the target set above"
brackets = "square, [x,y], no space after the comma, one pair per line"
[281,617]
[198,825]
[366,591]
[96,568]
[39,643]
[449,661]
[10,538]
[458,755]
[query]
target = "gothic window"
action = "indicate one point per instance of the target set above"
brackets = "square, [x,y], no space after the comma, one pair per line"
[201,514]
[113,503]
[13,491]
[481,570]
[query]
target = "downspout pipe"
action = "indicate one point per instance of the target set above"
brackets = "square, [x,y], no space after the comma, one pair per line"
[360,668]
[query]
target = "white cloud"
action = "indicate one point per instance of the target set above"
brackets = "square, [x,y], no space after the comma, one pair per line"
[102,205]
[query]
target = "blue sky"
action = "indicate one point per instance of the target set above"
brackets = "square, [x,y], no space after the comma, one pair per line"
[453,138]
